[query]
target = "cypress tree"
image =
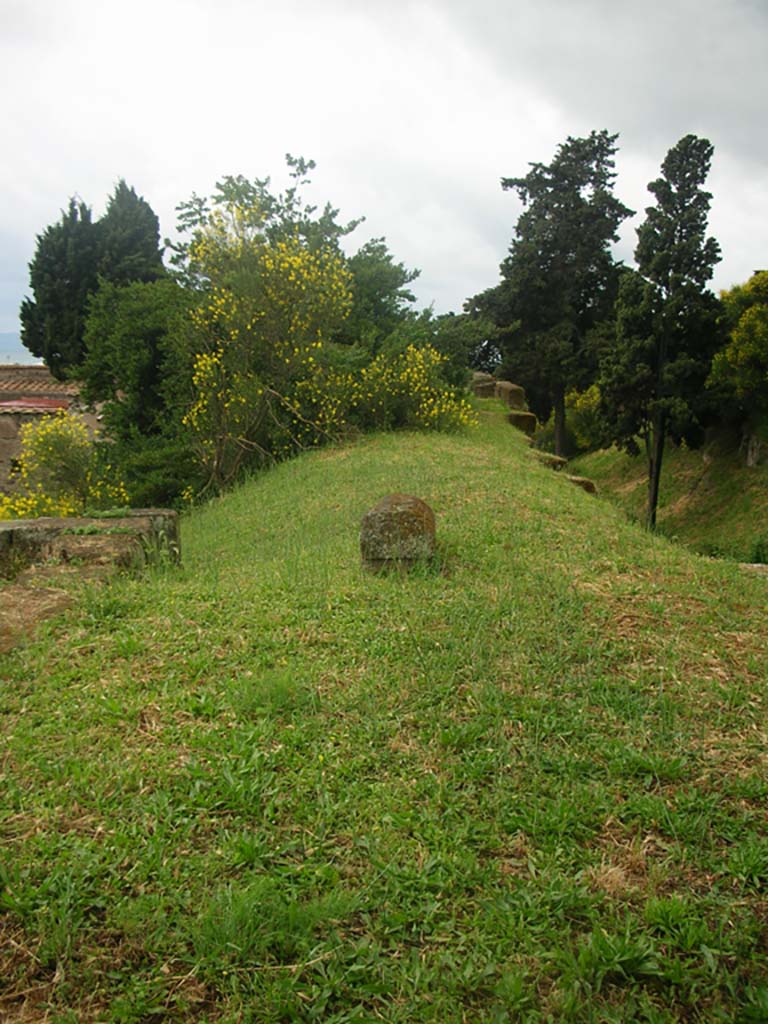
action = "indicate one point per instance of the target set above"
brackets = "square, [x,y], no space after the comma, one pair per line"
[652,380]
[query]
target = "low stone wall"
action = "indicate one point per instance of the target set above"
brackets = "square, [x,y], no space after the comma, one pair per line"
[132,539]
[511,394]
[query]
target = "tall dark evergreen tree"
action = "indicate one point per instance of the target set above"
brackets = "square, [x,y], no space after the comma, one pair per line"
[559,275]
[70,259]
[668,329]
[62,274]
[129,242]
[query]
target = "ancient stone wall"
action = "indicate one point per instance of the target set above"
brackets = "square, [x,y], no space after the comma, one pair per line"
[130,539]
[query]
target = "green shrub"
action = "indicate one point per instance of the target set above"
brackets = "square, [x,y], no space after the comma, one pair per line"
[395,390]
[62,471]
[157,471]
[584,427]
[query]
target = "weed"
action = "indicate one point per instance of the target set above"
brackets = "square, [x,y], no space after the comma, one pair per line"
[748,862]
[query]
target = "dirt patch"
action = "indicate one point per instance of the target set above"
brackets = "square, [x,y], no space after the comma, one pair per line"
[22,608]
[632,866]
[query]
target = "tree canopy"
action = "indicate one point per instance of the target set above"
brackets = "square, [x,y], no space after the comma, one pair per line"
[63,273]
[560,275]
[129,340]
[268,286]
[70,259]
[129,239]
[742,365]
[381,298]
[652,379]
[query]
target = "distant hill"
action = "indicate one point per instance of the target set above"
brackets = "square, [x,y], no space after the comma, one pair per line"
[12,351]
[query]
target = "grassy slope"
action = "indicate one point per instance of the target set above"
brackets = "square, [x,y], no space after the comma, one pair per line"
[709,499]
[269,787]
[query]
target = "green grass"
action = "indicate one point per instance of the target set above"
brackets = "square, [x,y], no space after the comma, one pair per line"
[525,783]
[709,500]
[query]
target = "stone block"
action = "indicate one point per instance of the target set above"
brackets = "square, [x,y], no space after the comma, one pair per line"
[525,421]
[555,462]
[511,394]
[398,531]
[583,482]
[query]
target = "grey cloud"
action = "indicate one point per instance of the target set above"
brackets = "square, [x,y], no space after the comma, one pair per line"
[413,109]
[653,70]
[25,22]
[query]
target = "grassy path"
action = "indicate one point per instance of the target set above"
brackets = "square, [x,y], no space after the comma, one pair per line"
[526,784]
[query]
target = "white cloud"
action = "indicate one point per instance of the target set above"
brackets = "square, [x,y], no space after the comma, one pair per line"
[413,112]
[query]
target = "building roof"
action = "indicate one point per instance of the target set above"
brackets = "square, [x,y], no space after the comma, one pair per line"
[34,404]
[33,382]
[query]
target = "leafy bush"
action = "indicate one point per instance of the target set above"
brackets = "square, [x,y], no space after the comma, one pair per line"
[584,426]
[263,317]
[157,471]
[583,408]
[61,471]
[393,391]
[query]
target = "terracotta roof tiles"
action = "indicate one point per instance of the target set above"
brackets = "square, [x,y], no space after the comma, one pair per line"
[33,404]
[33,381]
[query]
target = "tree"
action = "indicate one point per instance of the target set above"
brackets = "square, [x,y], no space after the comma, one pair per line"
[742,366]
[250,207]
[129,242]
[71,258]
[652,380]
[63,273]
[559,278]
[266,298]
[465,342]
[381,298]
[129,348]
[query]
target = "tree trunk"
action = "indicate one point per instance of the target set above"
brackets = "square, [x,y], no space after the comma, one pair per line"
[558,402]
[658,431]
[753,447]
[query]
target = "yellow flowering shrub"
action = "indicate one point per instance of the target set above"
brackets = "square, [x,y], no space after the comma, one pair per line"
[267,308]
[59,472]
[393,391]
[584,419]
[273,289]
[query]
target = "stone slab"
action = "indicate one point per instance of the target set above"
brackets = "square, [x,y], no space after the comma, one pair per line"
[133,538]
[399,530]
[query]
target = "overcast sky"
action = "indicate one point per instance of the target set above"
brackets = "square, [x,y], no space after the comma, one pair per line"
[412,110]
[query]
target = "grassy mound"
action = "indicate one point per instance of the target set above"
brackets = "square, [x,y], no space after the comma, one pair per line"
[526,783]
[709,499]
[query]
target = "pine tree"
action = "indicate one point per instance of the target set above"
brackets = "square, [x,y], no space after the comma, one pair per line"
[63,272]
[558,277]
[129,243]
[652,381]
